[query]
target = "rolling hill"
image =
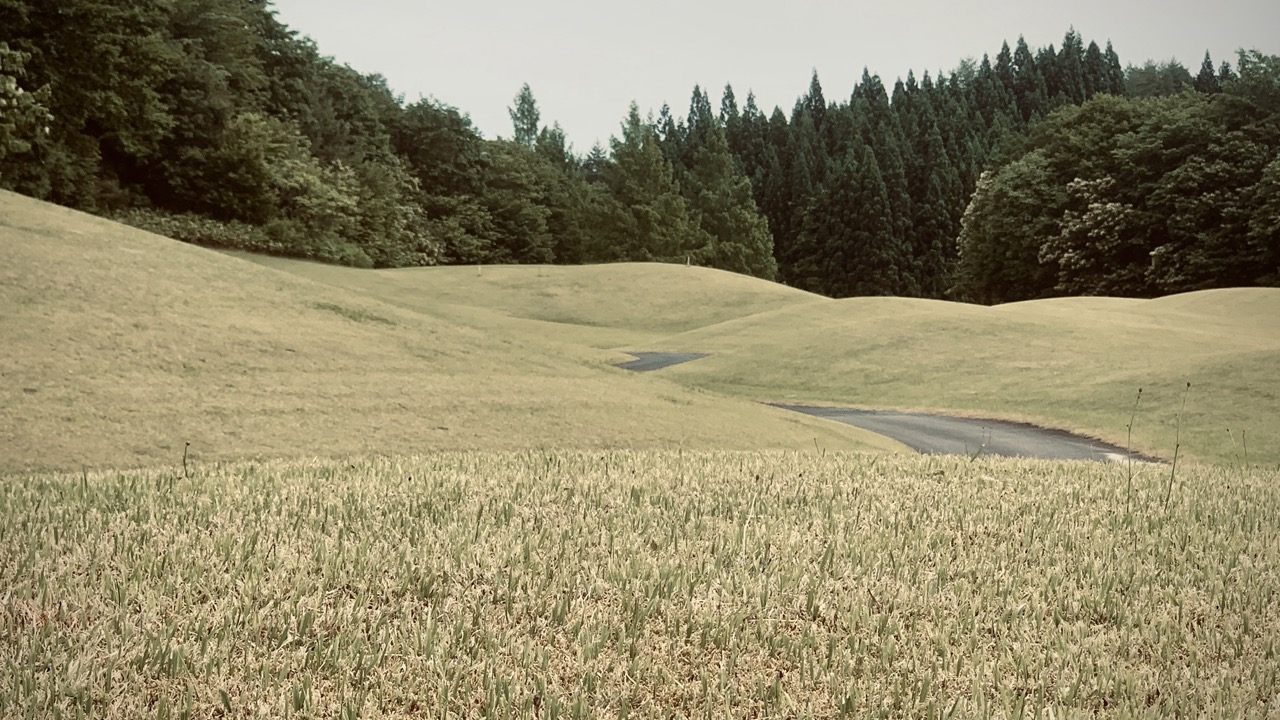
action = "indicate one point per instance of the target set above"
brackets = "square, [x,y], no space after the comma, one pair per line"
[1070,363]
[121,346]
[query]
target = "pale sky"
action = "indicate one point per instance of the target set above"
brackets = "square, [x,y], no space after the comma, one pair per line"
[586,60]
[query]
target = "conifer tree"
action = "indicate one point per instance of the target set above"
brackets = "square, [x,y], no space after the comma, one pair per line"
[1096,73]
[1115,72]
[1207,80]
[815,102]
[1029,89]
[649,220]
[1071,72]
[848,233]
[525,118]
[720,196]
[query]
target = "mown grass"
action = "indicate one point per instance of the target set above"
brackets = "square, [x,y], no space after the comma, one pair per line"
[1069,363]
[603,306]
[654,584]
[1074,363]
[119,347]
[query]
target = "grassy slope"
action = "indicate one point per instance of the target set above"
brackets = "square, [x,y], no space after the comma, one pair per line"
[1075,363]
[119,346]
[604,306]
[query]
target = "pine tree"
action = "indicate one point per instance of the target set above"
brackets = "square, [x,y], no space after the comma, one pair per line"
[720,196]
[1004,69]
[849,232]
[1071,73]
[525,118]
[883,135]
[1207,80]
[1115,72]
[1030,91]
[815,102]
[1047,65]
[992,100]
[595,166]
[1096,72]
[1225,74]
[700,125]
[554,147]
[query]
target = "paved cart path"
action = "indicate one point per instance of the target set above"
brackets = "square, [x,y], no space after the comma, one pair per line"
[936,434]
[943,435]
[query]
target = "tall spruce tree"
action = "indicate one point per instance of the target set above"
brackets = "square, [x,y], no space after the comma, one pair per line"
[1207,79]
[720,197]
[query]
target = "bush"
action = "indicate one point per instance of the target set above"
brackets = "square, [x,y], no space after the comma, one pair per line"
[279,237]
[200,230]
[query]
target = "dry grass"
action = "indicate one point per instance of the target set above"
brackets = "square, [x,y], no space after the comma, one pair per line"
[120,347]
[642,585]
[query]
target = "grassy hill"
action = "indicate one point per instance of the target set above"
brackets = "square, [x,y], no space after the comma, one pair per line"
[121,346]
[604,306]
[1073,363]
[126,345]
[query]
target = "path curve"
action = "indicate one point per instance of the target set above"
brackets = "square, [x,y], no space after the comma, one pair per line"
[943,435]
[936,434]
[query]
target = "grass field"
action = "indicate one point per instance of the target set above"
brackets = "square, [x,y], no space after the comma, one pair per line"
[1075,364]
[604,306]
[1070,363]
[120,347]
[427,493]
[649,584]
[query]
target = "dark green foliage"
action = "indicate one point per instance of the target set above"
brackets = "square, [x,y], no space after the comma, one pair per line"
[1002,231]
[646,218]
[200,230]
[212,121]
[849,236]
[720,196]
[525,118]
[24,115]
[1154,79]
[1135,197]
[1207,80]
[102,62]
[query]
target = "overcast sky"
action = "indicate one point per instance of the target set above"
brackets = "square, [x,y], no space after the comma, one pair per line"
[586,60]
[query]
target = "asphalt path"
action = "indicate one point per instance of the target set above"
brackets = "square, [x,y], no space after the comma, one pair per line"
[650,361]
[937,434]
[941,435]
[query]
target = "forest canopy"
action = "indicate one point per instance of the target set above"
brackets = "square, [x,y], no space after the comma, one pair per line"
[1036,172]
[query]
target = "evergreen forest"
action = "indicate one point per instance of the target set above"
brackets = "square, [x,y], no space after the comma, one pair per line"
[1034,172]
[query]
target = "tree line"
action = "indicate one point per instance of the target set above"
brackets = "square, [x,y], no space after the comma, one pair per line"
[1040,172]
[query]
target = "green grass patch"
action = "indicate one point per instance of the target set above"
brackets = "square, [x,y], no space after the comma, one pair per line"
[353,314]
[604,306]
